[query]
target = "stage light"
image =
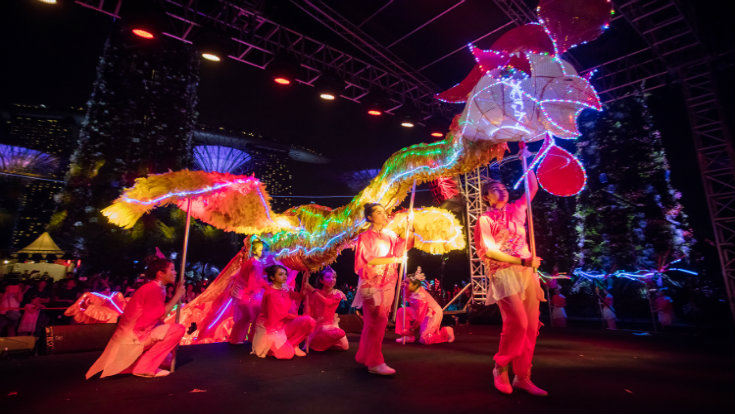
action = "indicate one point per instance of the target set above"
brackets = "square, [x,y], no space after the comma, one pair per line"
[329,86]
[145,34]
[212,45]
[48,1]
[408,116]
[437,126]
[211,57]
[143,18]
[283,69]
[374,103]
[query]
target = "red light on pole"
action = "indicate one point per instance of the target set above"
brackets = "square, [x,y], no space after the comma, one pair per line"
[145,34]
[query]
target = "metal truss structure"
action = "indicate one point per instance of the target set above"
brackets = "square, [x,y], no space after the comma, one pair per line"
[471,189]
[671,37]
[673,52]
[255,40]
[474,207]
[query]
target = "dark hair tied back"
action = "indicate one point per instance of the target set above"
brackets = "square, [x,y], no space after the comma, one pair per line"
[368,210]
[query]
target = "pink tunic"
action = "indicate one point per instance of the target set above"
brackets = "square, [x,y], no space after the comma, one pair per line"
[323,309]
[249,281]
[504,230]
[378,279]
[144,311]
[247,292]
[426,315]
[277,330]
[139,327]
[375,291]
[665,308]
[559,302]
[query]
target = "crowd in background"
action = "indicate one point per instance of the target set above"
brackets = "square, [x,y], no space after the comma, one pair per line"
[31,301]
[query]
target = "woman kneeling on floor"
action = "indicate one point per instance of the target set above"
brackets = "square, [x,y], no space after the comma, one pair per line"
[278,332]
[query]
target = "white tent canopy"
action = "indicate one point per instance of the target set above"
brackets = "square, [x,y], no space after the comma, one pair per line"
[44,244]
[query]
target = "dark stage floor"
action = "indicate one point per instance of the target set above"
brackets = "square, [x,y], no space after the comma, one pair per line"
[585,371]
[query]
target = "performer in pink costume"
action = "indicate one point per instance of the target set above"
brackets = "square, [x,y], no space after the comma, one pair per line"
[423,314]
[247,292]
[215,314]
[500,237]
[277,331]
[558,314]
[322,305]
[377,252]
[664,307]
[608,310]
[141,341]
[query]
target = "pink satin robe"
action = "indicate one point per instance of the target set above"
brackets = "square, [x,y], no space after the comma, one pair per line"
[277,330]
[504,230]
[141,341]
[323,309]
[375,291]
[424,314]
[247,292]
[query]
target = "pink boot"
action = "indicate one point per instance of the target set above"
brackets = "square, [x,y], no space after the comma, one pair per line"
[501,380]
[525,384]
[382,369]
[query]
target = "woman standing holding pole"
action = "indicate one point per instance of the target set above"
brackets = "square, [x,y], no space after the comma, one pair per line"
[377,252]
[500,237]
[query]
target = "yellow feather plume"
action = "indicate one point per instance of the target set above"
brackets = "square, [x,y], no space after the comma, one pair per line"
[437,231]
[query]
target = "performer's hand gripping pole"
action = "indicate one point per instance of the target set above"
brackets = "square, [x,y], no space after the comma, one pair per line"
[402,270]
[182,271]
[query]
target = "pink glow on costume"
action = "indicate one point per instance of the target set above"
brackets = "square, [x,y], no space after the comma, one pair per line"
[140,342]
[558,301]
[504,230]
[97,308]
[424,314]
[608,301]
[323,308]
[372,244]
[665,308]
[247,290]
[515,288]
[215,310]
[375,290]
[277,330]
[558,313]
[212,310]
